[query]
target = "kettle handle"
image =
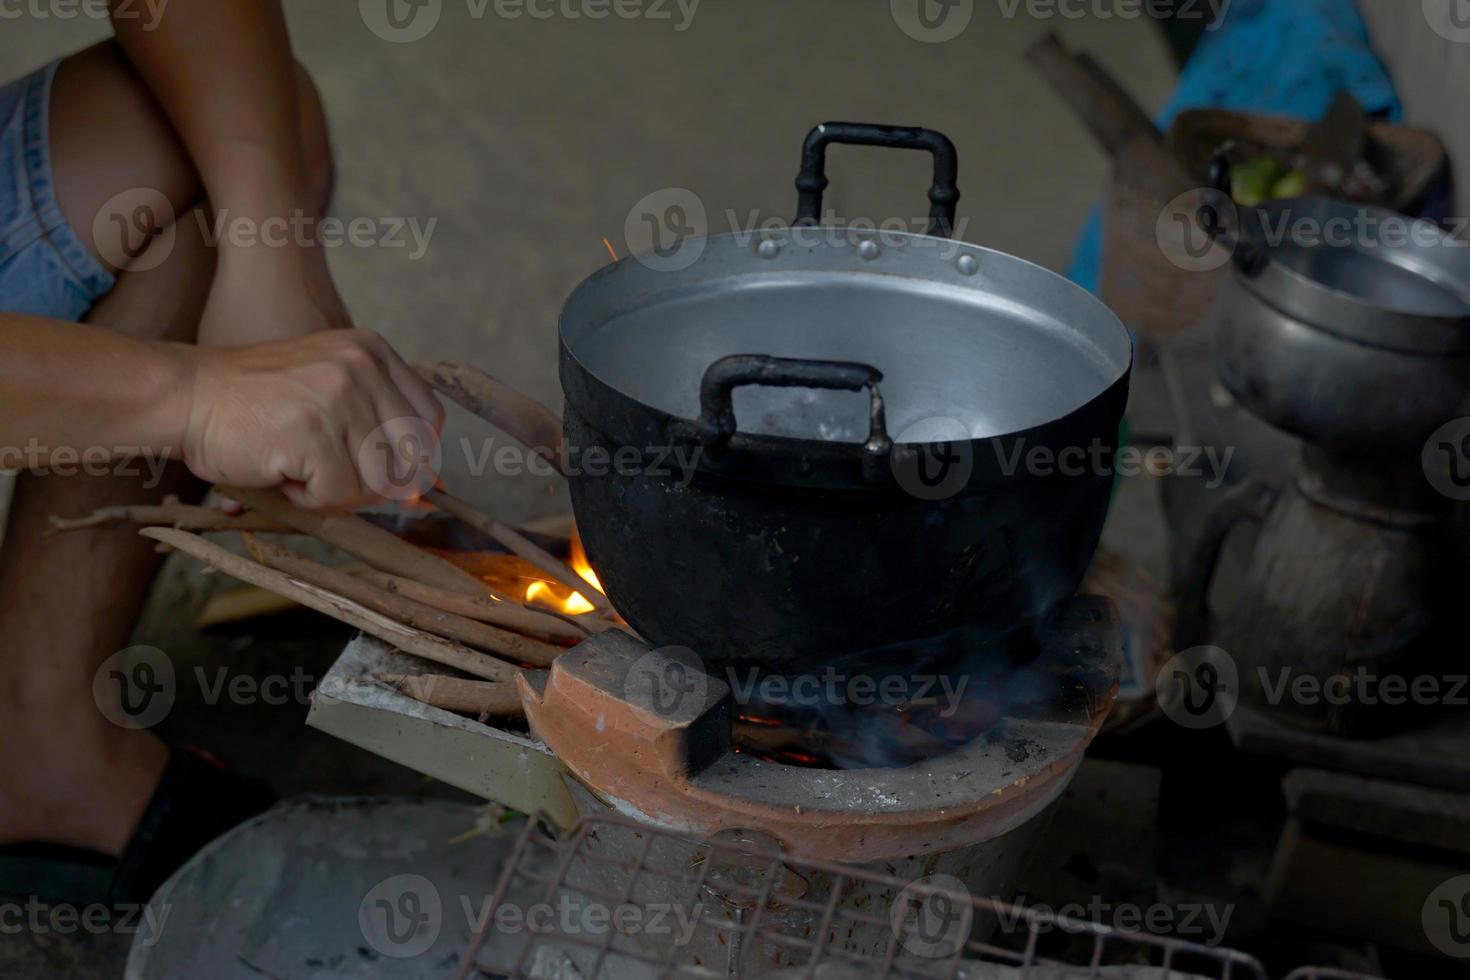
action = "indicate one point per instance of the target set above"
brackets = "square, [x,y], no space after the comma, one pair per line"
[944,192]
[1194,575]
[1250,257]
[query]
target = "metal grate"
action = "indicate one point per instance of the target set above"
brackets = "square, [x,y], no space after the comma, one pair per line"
[736,906]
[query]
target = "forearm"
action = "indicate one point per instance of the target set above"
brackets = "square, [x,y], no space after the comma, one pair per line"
[224,74]
[68,389]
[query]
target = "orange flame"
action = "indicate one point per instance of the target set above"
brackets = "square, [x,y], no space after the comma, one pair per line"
[556,595]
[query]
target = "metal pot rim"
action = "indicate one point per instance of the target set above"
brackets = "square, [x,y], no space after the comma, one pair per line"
[946,265]
[1352,317]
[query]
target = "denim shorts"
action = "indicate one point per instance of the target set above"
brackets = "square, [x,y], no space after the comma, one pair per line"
[45,270]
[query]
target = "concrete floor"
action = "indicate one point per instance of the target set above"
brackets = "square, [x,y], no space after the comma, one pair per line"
[529,141]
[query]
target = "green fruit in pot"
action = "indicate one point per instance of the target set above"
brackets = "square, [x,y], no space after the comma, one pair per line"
[1293,184]
[1252,182]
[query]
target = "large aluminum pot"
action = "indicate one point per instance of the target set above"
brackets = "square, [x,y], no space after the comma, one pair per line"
[825,442]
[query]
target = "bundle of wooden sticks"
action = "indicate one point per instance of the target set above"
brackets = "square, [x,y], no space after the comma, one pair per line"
[417,601]
[413,599]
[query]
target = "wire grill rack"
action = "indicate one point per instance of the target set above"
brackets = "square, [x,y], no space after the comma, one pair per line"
[735,906]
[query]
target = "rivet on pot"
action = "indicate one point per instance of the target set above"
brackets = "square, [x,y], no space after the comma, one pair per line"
[968,265]
[868,249]
[768,249]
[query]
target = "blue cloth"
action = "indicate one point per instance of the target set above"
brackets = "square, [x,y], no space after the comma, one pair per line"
[45,270]
[1284,57]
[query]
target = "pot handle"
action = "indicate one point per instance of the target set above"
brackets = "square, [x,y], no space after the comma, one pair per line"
[1249,256]
[716,424]
[1196,572]
[944,193]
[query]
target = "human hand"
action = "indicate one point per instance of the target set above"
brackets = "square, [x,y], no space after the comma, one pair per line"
[336,419]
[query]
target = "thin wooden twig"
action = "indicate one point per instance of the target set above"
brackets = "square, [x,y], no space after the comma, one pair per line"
[407,611]
[409,640]
[458,695]
[380,548]
[172,513]
[520,545]
[519,416]
[504,612]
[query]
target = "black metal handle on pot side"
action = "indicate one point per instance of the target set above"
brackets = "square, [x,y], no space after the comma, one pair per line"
[944,193]
[1249,256]
[716,424]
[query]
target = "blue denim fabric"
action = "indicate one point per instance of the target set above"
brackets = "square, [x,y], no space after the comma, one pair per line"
[45,270]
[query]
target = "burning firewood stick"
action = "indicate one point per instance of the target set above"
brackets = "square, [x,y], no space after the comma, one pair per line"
[522,546]
[406,611]
[455,694]
[502,612]
[172,513]
[405,638]
[362,539]
[524,419]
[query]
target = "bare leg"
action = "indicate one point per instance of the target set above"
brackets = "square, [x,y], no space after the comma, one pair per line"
[68,602]
[67,774]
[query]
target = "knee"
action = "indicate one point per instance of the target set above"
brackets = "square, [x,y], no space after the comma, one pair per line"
[316,143]
[109,138]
